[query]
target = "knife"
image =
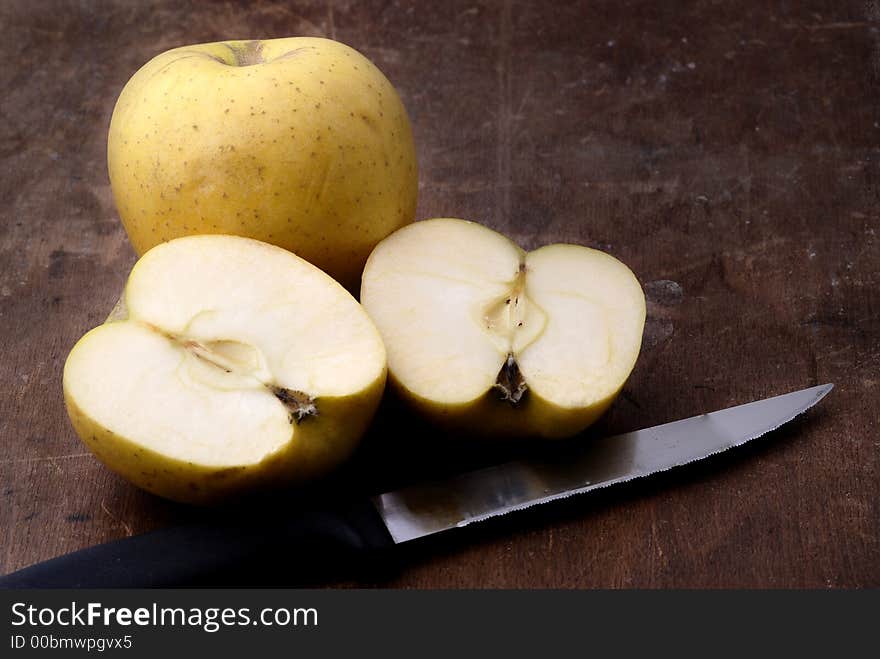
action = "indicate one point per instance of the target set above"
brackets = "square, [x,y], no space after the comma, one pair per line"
[192,554]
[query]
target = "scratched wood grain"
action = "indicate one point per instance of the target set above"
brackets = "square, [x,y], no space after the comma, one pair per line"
[728,152]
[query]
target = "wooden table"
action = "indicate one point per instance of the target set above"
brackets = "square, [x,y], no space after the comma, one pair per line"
[727,151]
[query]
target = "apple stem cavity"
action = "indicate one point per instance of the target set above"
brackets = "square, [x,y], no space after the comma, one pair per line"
[510,382]
[247,55]
[298,403]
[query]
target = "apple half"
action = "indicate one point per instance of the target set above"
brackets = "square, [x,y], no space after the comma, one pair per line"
[488,338]
[230,364]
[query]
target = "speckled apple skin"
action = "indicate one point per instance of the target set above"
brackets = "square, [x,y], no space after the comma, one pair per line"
[299,142]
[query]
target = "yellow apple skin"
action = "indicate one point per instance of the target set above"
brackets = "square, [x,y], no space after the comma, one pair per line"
[317,447]
[299,142]
[315,450]
[488,417]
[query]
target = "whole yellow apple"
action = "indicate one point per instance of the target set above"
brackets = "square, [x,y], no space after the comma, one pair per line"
[299,142]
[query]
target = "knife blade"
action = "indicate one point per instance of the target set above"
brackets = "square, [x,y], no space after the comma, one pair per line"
[424,509]
[201,554]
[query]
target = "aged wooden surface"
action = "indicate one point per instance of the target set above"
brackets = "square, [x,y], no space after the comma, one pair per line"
[727,151]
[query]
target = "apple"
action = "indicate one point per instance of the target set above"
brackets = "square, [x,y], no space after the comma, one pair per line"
[488,338]
[298,142]
[229,365]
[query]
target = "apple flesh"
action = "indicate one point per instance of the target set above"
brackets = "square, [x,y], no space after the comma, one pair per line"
[484,336]
[299,142]
[229,365]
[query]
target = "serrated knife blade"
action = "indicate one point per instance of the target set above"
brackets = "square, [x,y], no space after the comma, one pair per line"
[208,552]
[428,508]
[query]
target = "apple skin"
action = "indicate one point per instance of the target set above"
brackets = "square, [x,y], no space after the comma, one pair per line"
[299,142]
[493,419]
[487,416]
[316,449]
[490,418]
[312,454]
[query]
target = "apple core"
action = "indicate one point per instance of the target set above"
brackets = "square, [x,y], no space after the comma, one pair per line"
[483,335]
[229,364]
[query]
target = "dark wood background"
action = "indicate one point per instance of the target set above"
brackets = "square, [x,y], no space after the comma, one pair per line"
[727,151]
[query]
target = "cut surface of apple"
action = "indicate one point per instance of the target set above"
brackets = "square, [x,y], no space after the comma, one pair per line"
[496,340]
[229,364]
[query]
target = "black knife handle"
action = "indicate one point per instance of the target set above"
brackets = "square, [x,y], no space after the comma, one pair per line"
[281,552]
